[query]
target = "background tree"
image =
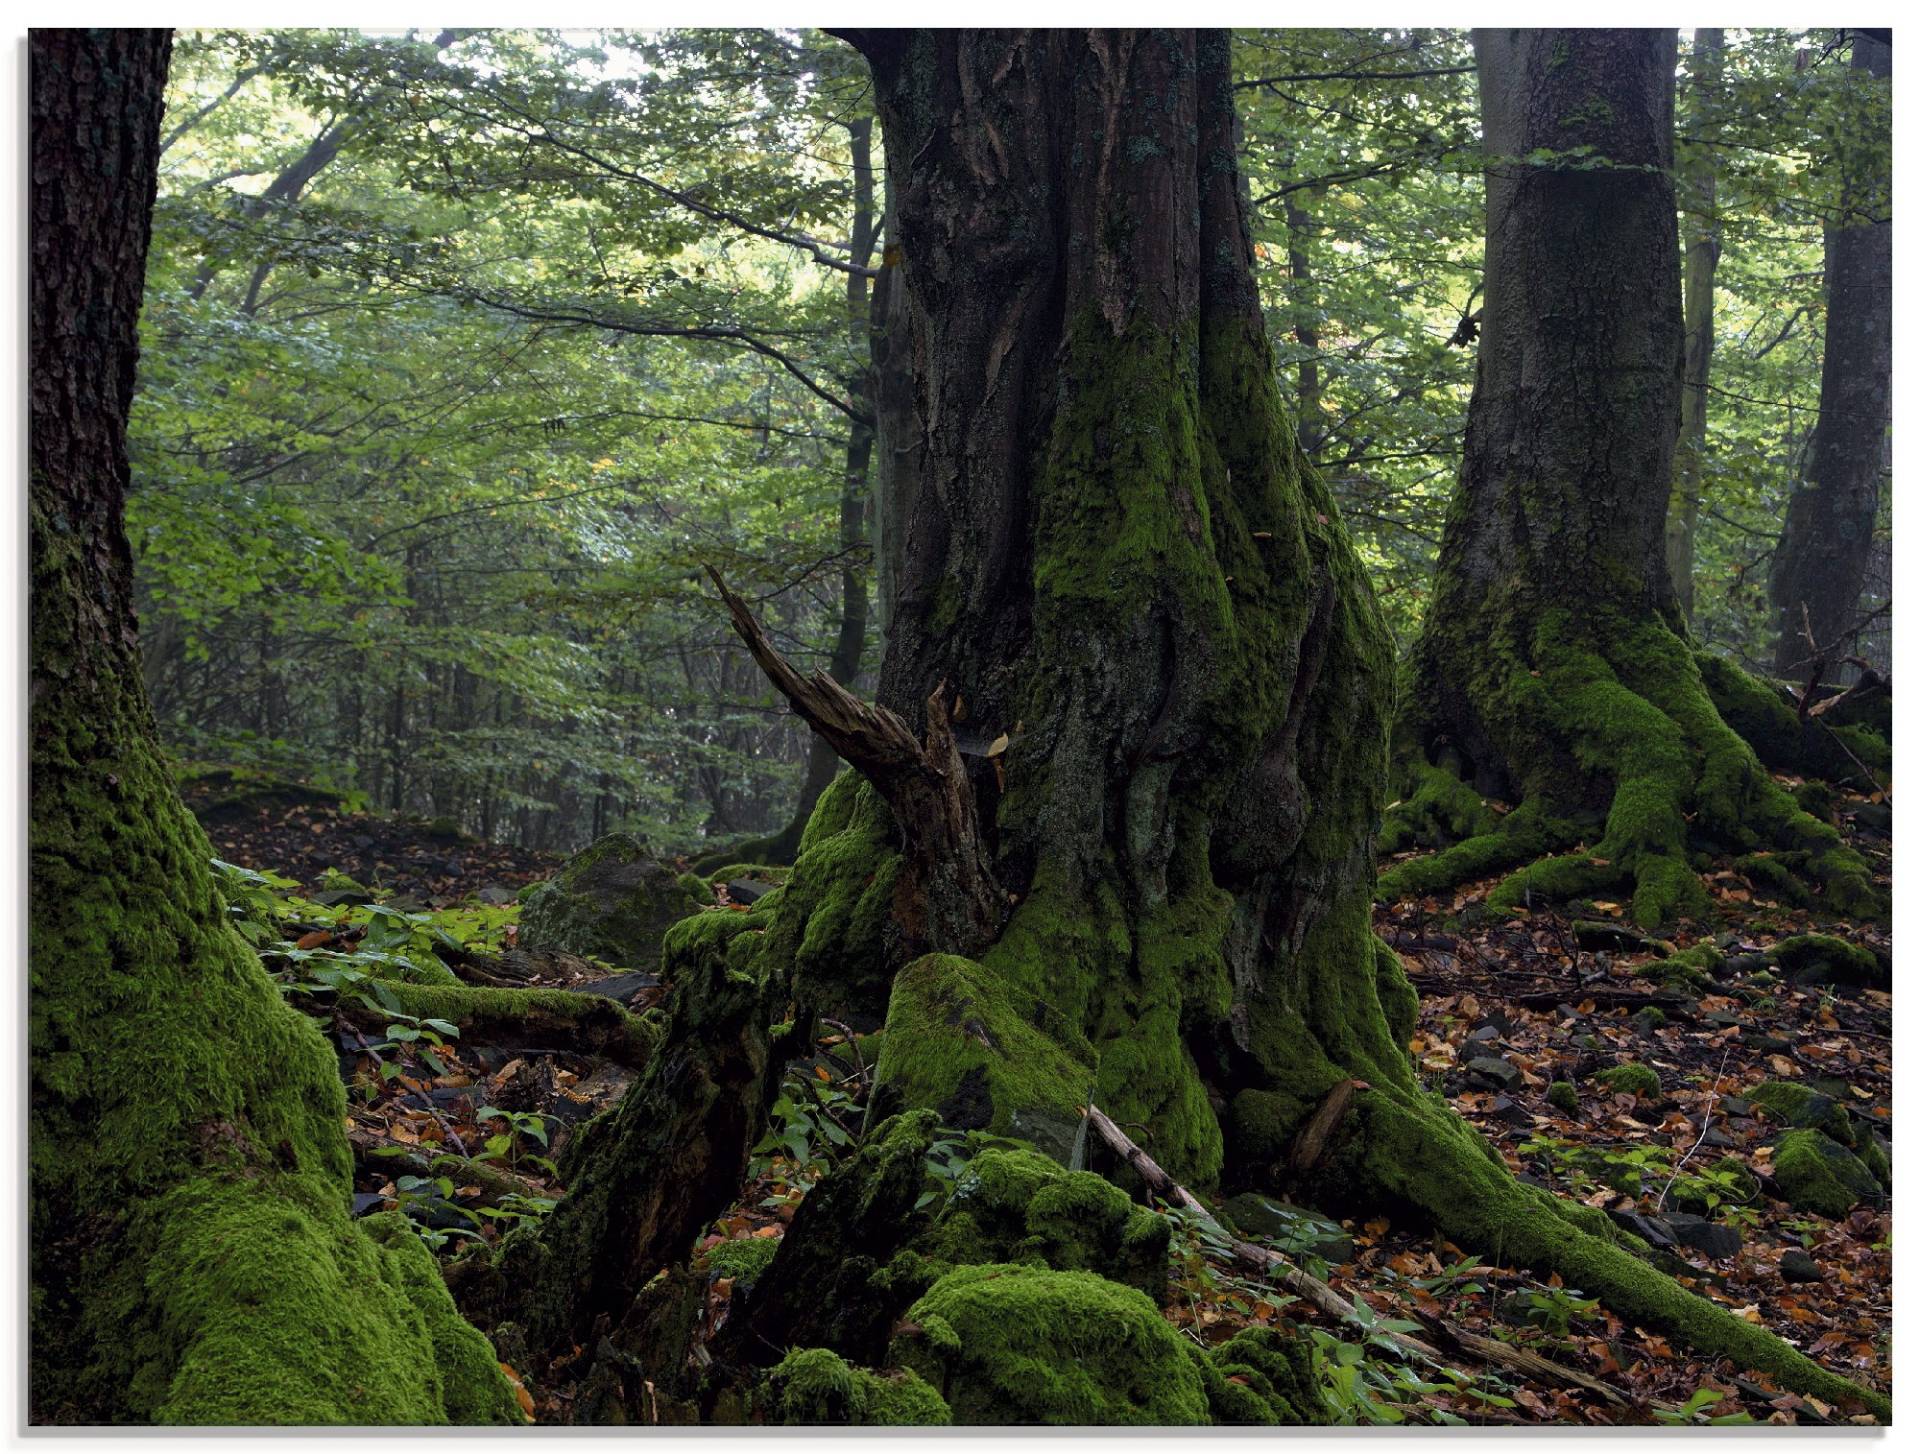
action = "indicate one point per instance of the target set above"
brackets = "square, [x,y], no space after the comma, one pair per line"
[1827,543]
[1697,179]
[192,1256]
[1553,671]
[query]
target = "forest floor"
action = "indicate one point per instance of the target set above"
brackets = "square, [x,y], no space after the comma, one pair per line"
[463,1136]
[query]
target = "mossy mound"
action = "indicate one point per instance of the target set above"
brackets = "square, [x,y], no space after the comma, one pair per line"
[1563,1097]
[1789,1104]
[1260,1377]
[1632,1078]
[613,901]
[1436,809]
[817,1386]
[1823,959]
[1815,1173]
[1012,1344]
[1018,1206]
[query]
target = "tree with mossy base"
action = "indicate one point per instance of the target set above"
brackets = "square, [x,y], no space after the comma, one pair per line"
[1554,669]
[192,1254]
[1109,837]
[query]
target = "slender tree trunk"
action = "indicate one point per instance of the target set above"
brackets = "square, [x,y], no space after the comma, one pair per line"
[1553,666]
[1305,331]
[1702,228]
[192,1256]
[850,640]
[1828,538]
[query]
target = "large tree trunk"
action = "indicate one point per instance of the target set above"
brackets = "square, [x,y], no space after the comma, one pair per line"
[1110,837]
[192,1256]
[1698,176]
[1828,539]
[1553,669]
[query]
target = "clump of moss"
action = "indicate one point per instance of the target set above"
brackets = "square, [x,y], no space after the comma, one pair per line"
[1012,1344]
[1789,1104]
[1563,1097]
[818,1386]
[1815,1173]
[959,1040]
[742,1258]
[1259,1376]
[1632,1078]
[1692,968]
[1014,1205]
[1435,809]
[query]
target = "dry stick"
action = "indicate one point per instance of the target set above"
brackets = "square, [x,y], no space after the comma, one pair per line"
[1312,1290]
[1660,1202]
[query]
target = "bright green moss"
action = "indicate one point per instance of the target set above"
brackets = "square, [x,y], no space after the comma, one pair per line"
[194,1259]
[744,1258]
[1399,1000]
[1013,1344]
[818,1386]
[1260,1376]
[1632,1078]
[957,1041]
[1018,1206]
[1815,1173]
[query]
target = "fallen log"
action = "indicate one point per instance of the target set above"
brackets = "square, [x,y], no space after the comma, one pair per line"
[526,1019]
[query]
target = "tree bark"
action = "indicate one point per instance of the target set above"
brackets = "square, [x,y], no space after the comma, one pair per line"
[1827,542]
[1553,667]
[1702,228]
[191,1253]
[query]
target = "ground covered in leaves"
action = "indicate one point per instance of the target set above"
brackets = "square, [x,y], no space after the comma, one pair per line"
[1525,1025]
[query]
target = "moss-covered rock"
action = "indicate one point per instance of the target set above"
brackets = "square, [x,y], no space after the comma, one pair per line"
[1014,1344]
[1790,1104]
[613,901]
[1815,1173]
[1632,1078]
[1563,1097]
[1823,959]
[818,1386]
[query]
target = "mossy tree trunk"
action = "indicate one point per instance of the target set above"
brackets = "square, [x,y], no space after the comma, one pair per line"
[1827,543]
[1554,668]
[191,1251]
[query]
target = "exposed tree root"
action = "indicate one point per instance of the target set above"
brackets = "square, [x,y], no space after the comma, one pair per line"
[1632,721]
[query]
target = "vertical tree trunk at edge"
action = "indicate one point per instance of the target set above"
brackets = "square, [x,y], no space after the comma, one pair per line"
[1828,538]
[192,1256]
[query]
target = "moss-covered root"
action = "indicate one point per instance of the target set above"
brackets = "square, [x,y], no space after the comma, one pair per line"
[1418,1154]
[1435,809]
[1613,712]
